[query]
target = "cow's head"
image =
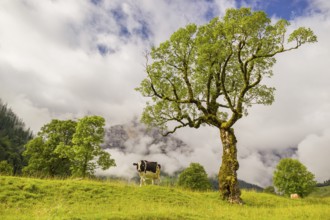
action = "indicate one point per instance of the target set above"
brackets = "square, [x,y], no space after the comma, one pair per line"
[140,166]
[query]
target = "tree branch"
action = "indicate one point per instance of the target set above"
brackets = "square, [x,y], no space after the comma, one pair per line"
[223,80]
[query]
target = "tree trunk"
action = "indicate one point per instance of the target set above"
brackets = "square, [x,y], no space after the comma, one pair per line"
[228,184]
[85,164]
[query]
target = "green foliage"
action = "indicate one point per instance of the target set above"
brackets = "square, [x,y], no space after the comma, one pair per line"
[6,168]
[13,137]
[42,152]
[291,177]
[195,178]
[26,198]
[86,146]
[64,148]
[211,74]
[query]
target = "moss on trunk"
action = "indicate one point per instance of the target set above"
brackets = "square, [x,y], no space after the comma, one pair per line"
[228,183]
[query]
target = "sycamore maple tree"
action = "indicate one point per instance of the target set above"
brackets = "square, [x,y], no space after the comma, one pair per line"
[211,74]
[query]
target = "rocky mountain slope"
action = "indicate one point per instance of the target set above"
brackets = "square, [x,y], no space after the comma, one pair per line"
[135,137]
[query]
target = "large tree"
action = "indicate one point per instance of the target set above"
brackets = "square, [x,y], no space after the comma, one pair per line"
[211,74]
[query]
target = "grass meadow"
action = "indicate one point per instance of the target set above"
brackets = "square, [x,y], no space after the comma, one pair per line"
[28,198]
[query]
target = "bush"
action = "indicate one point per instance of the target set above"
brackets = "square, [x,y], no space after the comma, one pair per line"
[195,178]
[6,168]
[291,177]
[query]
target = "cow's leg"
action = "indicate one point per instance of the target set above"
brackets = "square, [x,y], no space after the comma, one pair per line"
[141,180]
[152,181]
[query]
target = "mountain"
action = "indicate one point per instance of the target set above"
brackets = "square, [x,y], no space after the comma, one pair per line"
[135,137]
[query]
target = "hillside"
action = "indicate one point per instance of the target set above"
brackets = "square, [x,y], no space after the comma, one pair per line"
[26,198]
[323,191]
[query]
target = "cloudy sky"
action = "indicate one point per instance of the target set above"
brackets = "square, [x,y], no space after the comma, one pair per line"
[66,58]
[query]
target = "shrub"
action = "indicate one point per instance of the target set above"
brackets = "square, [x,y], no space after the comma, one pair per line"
[195,178]
[6,168]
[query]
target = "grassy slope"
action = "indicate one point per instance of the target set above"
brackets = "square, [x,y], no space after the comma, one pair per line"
[26,198]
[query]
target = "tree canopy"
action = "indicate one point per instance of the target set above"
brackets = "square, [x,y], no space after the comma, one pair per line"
[64,148]
[291,176]
[6,168]
[86,147]
[43,160]
[211,74]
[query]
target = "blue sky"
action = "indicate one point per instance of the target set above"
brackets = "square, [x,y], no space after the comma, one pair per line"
[66,58]
[287,9]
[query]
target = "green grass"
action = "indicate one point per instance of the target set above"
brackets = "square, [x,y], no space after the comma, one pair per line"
[27,198]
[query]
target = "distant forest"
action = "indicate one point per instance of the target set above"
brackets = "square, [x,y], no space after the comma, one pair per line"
[13,137]
[325,183]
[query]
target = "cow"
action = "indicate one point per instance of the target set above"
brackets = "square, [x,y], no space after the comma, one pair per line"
[148,170]
[294,196]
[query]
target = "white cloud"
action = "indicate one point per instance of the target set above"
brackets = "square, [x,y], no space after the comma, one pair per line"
[253,170]
[51,67]
[321,5]
[314,153]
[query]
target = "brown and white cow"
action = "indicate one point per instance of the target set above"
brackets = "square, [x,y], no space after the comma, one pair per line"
[148,170]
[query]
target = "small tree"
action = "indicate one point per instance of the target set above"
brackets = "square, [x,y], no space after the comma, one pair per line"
[86,154]
[291,176]
[195,178]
